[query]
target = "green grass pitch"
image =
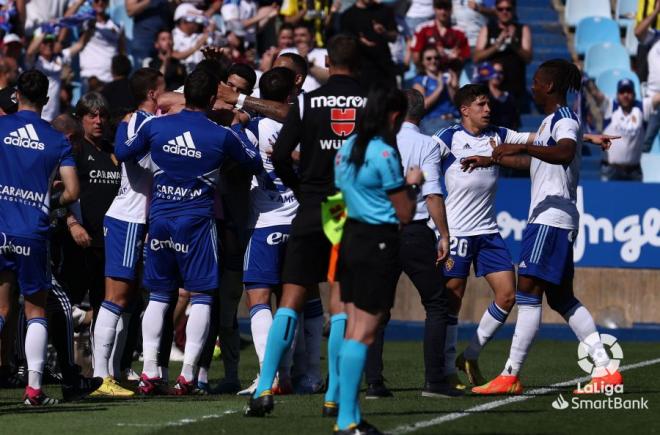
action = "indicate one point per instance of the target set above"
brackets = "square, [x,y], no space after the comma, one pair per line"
[550,362]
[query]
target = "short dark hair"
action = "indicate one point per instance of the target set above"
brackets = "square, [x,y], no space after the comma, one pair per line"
[298,61]
[285,26]
[32,85]
[276,84]
[304,25]
[244,71]
[199,88]
[442,4]
[468,93]
[142,81]
[90,103]
[216,67]
[344,51]
[121,66]
[415,104]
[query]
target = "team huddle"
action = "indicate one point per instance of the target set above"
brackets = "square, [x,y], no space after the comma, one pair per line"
[297,149]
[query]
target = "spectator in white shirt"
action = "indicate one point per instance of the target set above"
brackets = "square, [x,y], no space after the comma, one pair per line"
[106,42]
[470,17]
[626,117]
[188,39]
[317,73]
[42,55]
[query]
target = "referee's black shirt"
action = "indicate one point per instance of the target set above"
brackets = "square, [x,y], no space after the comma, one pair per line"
[320,122]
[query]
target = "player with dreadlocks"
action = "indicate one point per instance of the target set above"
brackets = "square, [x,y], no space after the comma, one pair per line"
[546,259]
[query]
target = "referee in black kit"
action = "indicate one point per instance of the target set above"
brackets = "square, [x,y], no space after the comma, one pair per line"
[320,122]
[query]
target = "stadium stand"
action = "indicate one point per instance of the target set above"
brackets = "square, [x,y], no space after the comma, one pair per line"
[578,9]
[594,30]
[604,56]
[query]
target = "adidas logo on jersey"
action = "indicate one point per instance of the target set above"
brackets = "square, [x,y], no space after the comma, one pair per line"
[25,137]
[522,265]
[182,145]
[467,147]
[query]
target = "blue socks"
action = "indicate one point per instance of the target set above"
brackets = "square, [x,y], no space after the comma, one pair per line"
[335,342]
[351,365]
[279,341]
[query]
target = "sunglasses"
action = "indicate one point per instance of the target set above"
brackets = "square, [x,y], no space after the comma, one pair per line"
[432,58]
[504,9]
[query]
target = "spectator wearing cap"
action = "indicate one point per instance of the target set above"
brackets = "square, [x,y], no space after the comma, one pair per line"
[149,17]
[503,110]
[12,46]
[191,33]
[42,54]
[451,43]
[510,43]
[106,42]
[438,88]
[624,116]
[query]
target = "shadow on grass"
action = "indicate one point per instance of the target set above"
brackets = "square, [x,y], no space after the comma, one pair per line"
[20,410]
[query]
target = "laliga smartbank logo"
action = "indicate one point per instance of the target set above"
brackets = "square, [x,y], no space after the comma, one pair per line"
[590,395]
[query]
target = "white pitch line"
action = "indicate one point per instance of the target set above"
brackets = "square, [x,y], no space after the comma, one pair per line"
[181,422]
[405,429]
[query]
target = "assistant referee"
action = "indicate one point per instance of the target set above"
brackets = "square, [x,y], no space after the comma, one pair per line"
[368,172]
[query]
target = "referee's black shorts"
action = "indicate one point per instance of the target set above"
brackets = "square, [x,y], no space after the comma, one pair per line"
[369,266]
[308,249]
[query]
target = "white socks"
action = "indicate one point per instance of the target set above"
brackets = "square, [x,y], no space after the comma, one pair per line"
[203,375]
[313,335]
[450,345]
[261,318]
[584,327]
[152,329]
[104,337]
[121,333]
[36,342]
[527,324]
[197,329]
[493,318]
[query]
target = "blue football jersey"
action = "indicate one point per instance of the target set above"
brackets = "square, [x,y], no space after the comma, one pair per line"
[186,151]
[30,154]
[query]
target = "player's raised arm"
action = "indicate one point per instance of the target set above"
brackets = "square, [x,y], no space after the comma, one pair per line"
[271,109]
[287,141]
[134,146]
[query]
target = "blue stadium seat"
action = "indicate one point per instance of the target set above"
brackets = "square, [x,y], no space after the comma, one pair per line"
[607,80]
[625,12]
[593,30]
[577,9]
[601,57]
